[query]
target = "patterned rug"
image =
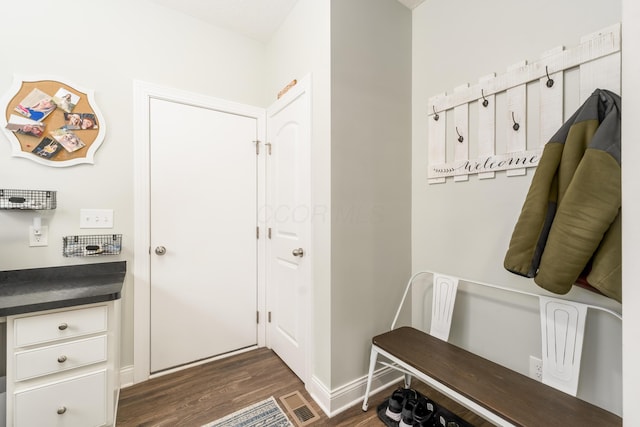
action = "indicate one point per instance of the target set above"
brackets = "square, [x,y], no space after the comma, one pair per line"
[262,414]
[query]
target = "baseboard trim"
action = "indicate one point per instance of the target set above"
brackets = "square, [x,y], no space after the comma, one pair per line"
[333,402]
[126,376]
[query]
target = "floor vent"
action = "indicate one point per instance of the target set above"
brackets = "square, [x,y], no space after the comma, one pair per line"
[299,409]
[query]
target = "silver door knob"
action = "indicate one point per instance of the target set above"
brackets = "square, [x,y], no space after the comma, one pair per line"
[298,252]
[161,250]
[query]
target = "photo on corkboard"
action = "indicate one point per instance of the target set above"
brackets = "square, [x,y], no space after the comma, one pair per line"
[47,148]
[80,121]
[65,100]
[36,106]
[69,140]
[24,126]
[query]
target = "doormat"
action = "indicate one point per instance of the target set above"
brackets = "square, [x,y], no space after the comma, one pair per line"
[263,414]
[299,409]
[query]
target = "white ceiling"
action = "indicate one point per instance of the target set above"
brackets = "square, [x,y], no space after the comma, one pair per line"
[257,19]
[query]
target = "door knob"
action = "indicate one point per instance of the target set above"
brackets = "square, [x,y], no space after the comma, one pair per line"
[161,250]
[298,252]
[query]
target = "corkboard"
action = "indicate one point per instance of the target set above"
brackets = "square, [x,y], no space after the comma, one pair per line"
[24,144]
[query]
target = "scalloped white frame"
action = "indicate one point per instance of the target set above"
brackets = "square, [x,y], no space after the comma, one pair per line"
[15,143]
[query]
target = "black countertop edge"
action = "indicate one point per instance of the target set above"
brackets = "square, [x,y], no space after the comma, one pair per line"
[39,289]
[51,305]
[65,272]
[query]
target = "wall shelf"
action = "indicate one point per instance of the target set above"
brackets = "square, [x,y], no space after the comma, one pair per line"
[27,199]
[91,245]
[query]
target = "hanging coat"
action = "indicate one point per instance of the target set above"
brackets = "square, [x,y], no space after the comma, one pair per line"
[569,226]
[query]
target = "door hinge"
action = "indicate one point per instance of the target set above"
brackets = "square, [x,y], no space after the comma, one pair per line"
[257,232]
[268,145]
[257,142]
[258,317]
[269,233]
[269,317]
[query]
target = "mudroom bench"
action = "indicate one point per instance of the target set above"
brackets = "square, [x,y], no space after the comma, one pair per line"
[501,395]
[498,394]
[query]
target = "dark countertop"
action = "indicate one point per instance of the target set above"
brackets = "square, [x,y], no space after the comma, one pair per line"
[37,289]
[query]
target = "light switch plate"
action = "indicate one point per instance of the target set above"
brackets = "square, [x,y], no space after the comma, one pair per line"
[96,218]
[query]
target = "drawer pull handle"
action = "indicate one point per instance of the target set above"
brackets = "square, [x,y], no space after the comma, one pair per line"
[62,359]
[63,326]
[62,410]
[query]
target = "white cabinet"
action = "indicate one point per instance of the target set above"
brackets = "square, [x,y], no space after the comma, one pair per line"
[62,366]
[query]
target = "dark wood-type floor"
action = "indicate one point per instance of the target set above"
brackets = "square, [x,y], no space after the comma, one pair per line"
[201,394]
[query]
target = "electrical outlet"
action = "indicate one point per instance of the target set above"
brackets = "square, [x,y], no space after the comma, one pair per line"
[41,239]
[535,368]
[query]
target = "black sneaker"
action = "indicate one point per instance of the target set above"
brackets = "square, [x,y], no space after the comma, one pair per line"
[406,419]
[394,407]
[423,412]
[396,402]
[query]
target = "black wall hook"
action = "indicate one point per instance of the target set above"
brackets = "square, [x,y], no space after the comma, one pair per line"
[549,79]
[486,101]
[516,125]
[435,114]
[460,138]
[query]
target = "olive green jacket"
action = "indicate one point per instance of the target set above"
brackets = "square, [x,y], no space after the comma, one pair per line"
[570,221]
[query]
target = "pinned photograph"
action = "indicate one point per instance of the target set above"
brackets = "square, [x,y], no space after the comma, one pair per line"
[36,106]
[66,100]
[68,139]
[80,121]
[24,126]
[47,148]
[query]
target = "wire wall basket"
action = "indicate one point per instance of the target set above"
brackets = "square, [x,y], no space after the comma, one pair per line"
[27,199]
[92,245]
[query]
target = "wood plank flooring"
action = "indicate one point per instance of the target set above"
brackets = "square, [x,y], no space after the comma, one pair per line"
[201,394]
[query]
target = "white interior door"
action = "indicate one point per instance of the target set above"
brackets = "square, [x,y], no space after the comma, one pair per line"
[203,209]
[289,217]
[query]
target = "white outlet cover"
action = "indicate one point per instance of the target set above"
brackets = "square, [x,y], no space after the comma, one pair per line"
[41,239]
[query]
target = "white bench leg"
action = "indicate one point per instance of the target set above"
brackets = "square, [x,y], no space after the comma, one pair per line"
[407,380]
[373,359]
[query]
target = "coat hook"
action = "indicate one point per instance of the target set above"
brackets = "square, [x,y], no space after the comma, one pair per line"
[516,125]
[549,79]
[435,114]
[486,101]
[460,138]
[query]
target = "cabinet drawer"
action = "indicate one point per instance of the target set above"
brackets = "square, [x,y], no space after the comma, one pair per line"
[64,324]
[60,357]
[78,402]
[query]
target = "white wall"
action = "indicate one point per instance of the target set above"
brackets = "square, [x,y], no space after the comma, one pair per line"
[464,228]
[630,210]
[105,46]
[301,46]
[370,175]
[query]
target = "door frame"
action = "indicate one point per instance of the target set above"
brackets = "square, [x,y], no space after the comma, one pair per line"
[143,92]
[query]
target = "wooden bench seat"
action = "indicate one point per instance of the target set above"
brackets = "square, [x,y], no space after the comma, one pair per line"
[481,384]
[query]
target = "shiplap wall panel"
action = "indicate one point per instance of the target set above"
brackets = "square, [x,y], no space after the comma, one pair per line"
[486,126]
[517,118]
[551,97]
[600,73]
[437,125]
[461,123]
